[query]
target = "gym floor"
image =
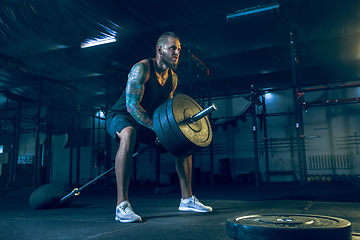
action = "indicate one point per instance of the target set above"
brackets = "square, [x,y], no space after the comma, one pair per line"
[91,215]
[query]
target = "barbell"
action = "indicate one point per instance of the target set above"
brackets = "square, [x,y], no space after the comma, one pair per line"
[182,128]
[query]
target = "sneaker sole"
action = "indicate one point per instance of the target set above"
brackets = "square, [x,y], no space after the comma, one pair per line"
[128,221]
[193,210]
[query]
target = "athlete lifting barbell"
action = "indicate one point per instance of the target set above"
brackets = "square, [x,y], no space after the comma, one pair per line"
[151,82]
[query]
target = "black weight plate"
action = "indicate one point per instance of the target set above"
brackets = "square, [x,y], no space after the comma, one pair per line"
[199,134]
[165,133]
[183,144]
[180,137]
[163,130]
[49,195]
[189,134]
[288,227]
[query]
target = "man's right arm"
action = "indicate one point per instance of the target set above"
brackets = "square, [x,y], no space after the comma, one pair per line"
[135,88]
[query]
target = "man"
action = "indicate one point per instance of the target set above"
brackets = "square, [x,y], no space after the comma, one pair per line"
[151,82]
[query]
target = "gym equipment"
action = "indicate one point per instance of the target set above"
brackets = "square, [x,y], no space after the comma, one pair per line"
[343,178]
[58,196]
[329,178]
[310,178]
[182,128]
[48,195]
[288,227]
[76,191]
[323,178]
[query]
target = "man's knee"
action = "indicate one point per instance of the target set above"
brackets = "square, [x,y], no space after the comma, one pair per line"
[182,159]
[128,133]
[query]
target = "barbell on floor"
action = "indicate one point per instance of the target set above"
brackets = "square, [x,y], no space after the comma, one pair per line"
[182,128]
[52,195]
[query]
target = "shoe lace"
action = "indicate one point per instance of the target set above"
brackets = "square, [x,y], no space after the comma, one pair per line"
[197,201]
[126,208]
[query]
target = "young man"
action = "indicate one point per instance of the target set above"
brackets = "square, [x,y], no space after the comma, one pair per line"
[151,82]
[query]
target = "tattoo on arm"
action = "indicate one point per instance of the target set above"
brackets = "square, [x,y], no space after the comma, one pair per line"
[134,93]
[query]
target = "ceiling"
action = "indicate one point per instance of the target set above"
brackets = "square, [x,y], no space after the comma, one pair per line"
[41,59]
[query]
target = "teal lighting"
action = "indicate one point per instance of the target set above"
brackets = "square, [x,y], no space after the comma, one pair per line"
[108,36]
[242,13]
[98,41]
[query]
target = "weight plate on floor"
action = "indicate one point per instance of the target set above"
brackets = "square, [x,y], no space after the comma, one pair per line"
[49,195]
[288,227]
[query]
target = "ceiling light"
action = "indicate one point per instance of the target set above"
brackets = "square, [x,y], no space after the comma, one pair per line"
[251,11]
[98,41]
[269,95]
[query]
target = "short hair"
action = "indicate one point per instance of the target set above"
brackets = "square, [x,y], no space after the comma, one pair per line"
[164,38]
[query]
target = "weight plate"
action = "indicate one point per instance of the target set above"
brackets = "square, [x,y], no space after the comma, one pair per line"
[176,132]
[181,108]
[48,196]
[182,145]
[288,227]
[163,130]
[166,134]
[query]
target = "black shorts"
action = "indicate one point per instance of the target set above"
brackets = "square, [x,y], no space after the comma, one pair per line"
[119,122]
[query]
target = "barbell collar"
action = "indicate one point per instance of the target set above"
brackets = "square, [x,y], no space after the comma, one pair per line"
[203,113]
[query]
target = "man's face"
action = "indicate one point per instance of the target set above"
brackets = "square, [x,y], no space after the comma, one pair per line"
[171,53]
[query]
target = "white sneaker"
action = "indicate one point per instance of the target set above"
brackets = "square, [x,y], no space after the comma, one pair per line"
[192,204]
[124,213]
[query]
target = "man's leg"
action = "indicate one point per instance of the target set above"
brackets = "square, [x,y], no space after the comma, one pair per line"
[184,170]
[188,201]
[123,171]
[124,162]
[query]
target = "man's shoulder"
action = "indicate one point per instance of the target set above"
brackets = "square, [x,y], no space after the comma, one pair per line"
[145,63]
[140,69]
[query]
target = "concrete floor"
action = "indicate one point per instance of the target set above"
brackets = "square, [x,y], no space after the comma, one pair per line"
[91,215]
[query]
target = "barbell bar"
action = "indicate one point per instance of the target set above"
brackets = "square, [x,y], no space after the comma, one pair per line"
[207,111]
[76,191]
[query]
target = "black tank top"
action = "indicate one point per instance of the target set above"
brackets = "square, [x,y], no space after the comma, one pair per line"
[154,95]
